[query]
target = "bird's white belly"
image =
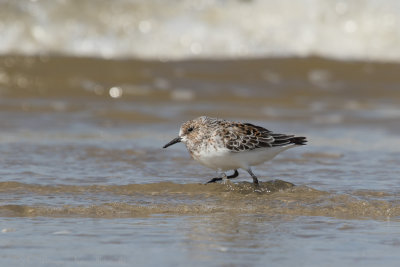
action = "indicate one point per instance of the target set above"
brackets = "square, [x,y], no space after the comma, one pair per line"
[226,160]
[217,160]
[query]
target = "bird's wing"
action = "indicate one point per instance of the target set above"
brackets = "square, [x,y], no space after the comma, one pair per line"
[245,136]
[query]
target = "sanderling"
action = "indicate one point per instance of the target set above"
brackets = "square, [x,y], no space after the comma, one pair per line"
[225,145]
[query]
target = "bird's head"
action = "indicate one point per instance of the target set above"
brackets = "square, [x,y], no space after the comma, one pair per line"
[189,131]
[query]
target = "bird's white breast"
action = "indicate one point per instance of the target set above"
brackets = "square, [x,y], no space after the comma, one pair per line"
[224,159]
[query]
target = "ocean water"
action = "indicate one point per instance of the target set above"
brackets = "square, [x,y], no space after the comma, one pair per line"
[89,94]
[154,29]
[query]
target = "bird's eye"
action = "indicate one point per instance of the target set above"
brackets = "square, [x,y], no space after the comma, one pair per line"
[190,129]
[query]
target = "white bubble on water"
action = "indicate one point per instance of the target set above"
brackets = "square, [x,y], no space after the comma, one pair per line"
[115,92]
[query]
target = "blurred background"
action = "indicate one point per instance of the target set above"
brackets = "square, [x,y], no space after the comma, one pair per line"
[349,30]
[91,90]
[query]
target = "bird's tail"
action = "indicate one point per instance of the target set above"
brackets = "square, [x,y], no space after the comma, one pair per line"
[298,140]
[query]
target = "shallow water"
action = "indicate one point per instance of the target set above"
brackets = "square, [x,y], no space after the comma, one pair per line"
[214,240]
[84,180]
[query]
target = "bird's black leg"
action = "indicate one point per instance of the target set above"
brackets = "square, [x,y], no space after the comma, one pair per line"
[234,175]
[255,180]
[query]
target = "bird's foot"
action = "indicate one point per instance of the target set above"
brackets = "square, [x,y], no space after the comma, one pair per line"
[213,180]
[224,177]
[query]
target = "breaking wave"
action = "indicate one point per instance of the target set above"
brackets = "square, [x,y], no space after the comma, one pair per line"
[366,30]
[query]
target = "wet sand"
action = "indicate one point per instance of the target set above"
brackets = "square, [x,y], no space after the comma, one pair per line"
[141,200]
[81,163]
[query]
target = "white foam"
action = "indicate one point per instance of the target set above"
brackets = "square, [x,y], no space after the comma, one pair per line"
[367,30]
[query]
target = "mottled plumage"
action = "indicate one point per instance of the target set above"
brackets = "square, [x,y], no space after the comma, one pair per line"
[225,145]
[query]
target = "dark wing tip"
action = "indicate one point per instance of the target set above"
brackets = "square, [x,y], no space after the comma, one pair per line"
[298,140]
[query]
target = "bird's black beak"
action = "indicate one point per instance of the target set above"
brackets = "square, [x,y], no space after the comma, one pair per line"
[176,140]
